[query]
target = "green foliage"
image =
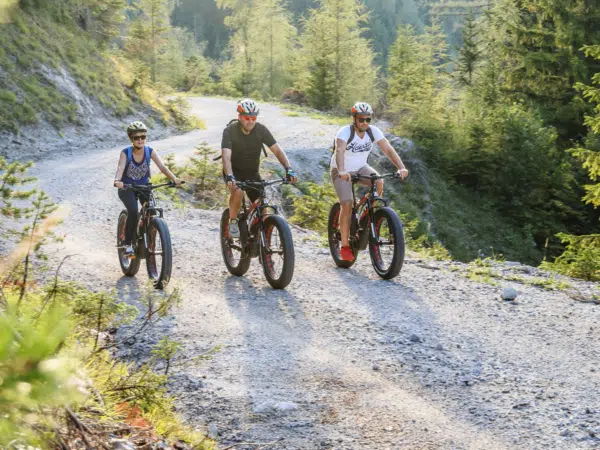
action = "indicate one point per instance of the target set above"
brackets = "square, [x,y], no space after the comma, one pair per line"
[590,157]
[206,175]
[419,85]
[418,240]
[6,8]
[261,48]
[165,350]
[538,46]
[581,258]
[36,375]
[311,208]
[333,42]
[12,177]
[205,20]
[149,33]
[33,43]
[469,53]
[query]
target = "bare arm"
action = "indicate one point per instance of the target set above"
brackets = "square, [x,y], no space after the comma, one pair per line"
[226,158]
[391,153]
[120,169]
[280,154]
[227,169]
[164,169]
[340,151]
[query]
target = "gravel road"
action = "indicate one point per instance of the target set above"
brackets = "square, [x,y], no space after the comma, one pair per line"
[342,359]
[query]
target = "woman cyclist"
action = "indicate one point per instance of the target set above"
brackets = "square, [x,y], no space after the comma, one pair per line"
[134,168]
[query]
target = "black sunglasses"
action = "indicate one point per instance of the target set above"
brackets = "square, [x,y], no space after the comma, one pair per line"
[140,137]
[364,119]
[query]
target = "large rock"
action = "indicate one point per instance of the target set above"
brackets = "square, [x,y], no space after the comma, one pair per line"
[509,293]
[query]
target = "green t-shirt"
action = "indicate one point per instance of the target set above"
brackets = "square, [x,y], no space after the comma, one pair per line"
[246,148]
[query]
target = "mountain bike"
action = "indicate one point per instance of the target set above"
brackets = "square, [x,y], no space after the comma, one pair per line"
[373,223]
[151,239]
[267,237]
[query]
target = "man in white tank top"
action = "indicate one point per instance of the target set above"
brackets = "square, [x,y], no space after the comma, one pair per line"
[351,157]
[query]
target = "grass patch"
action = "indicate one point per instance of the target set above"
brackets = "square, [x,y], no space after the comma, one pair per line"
[483,271]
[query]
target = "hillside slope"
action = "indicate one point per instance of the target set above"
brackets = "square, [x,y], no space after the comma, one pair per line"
[60,90]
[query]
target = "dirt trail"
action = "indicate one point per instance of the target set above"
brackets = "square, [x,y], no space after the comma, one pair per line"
[341,359]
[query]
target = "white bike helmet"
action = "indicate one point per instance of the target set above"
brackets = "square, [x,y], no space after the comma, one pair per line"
[135,127]
[361,108]
[248,107]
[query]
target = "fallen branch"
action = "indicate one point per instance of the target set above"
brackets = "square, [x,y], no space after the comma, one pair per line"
[83,429]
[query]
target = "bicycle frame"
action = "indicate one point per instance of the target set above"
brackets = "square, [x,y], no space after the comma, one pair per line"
[255,214]
[367,204]
[147,212]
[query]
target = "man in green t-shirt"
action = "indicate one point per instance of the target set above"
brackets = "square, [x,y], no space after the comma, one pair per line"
[241,146]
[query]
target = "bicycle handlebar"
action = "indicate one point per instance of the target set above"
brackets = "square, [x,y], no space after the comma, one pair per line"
[260,183]
[149,187]
[373,177]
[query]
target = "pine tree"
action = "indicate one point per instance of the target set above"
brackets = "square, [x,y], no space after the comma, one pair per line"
[181,64]
[12,178]
[261,47]
[541,55]
[404,68]
[590,156]
[205,20]
[148,32]
[418,70]
[469,53]
[334,45]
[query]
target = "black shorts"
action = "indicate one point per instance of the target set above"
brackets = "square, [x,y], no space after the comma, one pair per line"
[253,194]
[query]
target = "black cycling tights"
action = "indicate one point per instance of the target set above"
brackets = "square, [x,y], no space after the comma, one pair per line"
[129,199]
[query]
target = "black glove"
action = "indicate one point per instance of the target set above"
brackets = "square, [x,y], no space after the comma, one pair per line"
[289,174]
[229,178]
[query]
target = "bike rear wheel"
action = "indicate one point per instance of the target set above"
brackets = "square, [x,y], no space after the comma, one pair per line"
[335,238]
[159,255]
[236,259]
[129,266]
[387,248]
[278,253]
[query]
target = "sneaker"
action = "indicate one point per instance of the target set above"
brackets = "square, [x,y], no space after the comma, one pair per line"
[346,254]
[234,229]
[129,251]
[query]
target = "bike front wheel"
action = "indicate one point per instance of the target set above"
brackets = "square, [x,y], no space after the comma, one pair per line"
[277,254]
[334,238]
[159,255]
[387,246]
[129,265]
[236,259]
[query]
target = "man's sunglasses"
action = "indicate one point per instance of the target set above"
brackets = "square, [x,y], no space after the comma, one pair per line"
[250,118]
[141,137]
[364,119]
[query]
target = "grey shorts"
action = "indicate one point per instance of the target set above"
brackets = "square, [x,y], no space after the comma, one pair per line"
[344,188]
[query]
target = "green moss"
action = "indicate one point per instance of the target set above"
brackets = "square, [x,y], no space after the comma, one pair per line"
[7,96]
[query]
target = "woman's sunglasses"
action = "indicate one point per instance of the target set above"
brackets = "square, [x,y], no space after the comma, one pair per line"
[141,137]
[250,118]
[364,119]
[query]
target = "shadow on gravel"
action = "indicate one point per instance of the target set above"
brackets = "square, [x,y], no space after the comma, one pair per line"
[413,347]
[276,334]
[139,339]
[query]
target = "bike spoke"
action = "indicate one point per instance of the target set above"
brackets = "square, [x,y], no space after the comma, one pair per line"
[273,247]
